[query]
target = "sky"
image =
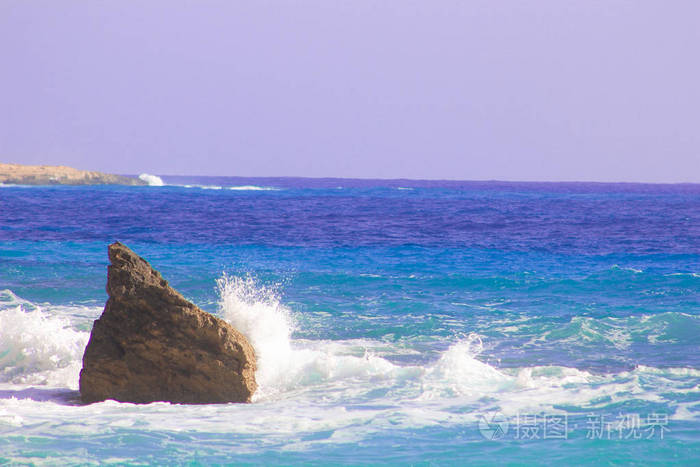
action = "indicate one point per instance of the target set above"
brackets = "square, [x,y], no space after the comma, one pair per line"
[541,90]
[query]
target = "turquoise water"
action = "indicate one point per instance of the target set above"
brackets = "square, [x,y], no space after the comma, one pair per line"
[394,321]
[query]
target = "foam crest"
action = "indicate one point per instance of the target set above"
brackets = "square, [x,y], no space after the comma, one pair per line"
[290,369]
[590,330]
[234,188]
[284,364]
[37,348]
[348,387]
[252,188]
[620,333]
[256,312]
[458,373]
[205,187]
[152,180]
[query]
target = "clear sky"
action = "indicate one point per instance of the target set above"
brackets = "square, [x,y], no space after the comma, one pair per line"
[476,90]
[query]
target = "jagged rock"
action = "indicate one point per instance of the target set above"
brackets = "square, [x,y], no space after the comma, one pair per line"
[150,344]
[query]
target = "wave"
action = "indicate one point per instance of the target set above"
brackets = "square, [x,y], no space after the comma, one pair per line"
[342,369]
[617,332]
[285,364]
[234,188]
[252,188]
[152,180]
[39,347]
[36,347]
[258,314]
[204,187]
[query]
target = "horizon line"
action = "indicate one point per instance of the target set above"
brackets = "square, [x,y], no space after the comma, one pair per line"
[397,179]
[490,180]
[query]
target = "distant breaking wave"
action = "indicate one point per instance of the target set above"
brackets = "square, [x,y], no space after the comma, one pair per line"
[252,188]
[204,187]
[236,188]
[152,180]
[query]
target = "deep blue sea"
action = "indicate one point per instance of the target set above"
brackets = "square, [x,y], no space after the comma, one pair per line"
[399,322]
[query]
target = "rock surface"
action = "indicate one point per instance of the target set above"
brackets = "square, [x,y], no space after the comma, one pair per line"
[150,344]
[18,174]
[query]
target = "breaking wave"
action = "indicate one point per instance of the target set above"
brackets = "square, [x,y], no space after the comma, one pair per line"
[43,347]
[152,180]
[352,368]
[36,347]
[234,188]
[252,188]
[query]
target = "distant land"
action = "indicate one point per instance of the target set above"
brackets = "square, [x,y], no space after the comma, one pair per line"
[19,174]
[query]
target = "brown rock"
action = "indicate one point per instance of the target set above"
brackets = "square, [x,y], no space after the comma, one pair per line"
[150,344]
[19,174]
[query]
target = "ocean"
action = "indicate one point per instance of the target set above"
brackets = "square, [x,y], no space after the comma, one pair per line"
[394,321]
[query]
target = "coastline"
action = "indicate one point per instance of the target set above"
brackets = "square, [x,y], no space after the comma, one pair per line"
[19,174]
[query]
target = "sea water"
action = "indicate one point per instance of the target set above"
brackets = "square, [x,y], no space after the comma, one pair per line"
[393,321]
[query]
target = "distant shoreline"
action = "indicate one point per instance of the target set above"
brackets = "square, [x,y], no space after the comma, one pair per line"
[19,174]
[48,175]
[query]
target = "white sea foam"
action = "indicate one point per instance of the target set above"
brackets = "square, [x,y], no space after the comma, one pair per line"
[204,187]
[459,373]
[258,314]
[349,388]
[37,348]
[252,188]
[152,180]
[235,188]
[616,267]
[351,369]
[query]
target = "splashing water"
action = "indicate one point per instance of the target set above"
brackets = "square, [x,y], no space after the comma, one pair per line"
[284,364]
[37,348]
[258,314]
[152,180]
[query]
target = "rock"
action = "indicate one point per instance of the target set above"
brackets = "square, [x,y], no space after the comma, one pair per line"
[150,344]
[19,174]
